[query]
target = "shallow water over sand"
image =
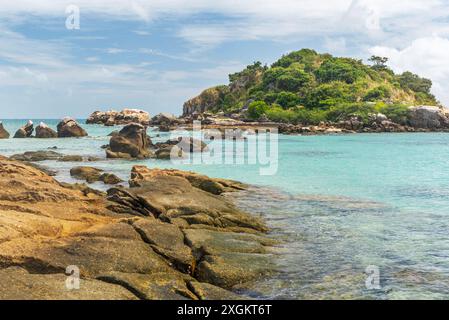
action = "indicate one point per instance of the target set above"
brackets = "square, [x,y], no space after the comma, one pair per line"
[340,203]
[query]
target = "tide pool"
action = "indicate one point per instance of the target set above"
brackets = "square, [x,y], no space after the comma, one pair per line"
[340,203]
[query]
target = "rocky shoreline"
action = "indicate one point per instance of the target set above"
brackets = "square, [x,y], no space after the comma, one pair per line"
[420,119]
[169,235]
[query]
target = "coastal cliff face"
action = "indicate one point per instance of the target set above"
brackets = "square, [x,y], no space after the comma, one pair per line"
[168,237]
[208,100]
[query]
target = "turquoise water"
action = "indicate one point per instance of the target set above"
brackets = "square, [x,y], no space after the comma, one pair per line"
[340,203]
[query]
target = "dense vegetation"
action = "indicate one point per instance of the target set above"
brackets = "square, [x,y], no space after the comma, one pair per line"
[307,87]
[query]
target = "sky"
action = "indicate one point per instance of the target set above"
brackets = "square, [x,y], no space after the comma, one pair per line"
[156,54]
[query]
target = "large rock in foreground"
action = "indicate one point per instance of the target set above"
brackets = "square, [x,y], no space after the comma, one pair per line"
[164,240]
[3,133]
[26,131]
[131,142]
[69,128]
[429,117]
[126,116]
[45,132]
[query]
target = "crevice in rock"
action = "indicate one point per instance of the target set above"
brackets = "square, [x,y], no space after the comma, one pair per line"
[192,289]
[153,246]
[32,265]
[123,284]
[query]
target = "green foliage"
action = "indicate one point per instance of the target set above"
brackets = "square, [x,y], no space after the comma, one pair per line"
[379,93]
[286,99]
[395,112]
[248,71]
[307,87]
[328,95]
[341,69]
[380,63]
[291,78]
[296,115]
[415,83]
[306,57]
[256,109]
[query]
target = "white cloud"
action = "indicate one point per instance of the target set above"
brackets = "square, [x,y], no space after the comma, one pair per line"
[115,50]
[342,26]
[428,57]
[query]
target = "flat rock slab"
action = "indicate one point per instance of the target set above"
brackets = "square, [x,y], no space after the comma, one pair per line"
[156,286]
[212,242]
[230,269]
[17,284]
[207,291]
[168,240]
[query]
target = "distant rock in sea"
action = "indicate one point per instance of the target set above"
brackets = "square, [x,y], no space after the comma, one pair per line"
[126,116]
[45,132]
[68,128]
[26,131]
[3,133]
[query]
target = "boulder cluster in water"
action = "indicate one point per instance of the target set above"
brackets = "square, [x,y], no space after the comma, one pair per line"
[132,142]
[67,128]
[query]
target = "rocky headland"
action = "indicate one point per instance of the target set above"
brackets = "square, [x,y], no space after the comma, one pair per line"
[170,235]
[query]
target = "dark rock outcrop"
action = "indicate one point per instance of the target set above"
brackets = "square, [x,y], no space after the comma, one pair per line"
[69,128]
[126,116]
[26,131]
[428,117]
[131,142]
[3,133]
[45,132]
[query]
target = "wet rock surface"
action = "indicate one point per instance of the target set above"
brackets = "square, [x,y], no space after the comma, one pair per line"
[165,239]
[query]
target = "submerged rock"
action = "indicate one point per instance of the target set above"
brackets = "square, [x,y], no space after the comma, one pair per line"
[109,178]
[126,116]
[3,133]
[45,132]
[131,142]
[69,128]
[71,159]
[186,144]
[26,131]
[36,156]
[90,174]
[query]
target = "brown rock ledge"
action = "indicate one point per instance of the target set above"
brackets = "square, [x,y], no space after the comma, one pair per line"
[163,239]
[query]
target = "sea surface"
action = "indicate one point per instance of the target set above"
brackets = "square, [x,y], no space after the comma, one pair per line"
[344,206]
